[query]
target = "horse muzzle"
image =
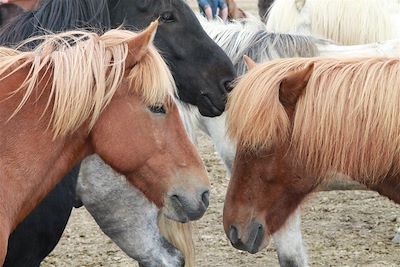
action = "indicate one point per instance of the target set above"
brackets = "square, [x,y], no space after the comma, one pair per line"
[212,103]
[252,240]
[183,207]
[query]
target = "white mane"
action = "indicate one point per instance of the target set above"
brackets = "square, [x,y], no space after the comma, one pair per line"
[343,21]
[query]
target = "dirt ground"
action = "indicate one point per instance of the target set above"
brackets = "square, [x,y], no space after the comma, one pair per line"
[340,228]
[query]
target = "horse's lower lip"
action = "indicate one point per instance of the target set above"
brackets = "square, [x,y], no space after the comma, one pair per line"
[181,218]
[208,108]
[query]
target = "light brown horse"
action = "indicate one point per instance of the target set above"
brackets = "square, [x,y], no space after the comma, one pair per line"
[299,121]
[78,94]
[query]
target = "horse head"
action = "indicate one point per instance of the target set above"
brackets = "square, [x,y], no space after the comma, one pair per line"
[140,134]
[265,188]
[201,69]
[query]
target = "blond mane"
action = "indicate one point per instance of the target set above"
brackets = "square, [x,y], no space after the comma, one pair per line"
[86,69]
[180,236]
[345,122]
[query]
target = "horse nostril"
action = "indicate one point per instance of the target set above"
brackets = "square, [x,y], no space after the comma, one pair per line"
[228,85]
[176,199]
[205,198]
[233,234]
[256,238]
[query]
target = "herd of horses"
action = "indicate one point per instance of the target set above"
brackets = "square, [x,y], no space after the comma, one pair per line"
[82,95]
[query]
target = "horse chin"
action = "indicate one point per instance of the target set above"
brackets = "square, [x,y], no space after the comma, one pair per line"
[266,242]
[207,108]
[174,213]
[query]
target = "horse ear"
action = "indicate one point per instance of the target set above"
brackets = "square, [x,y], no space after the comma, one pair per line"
[293,85]
[299,4]
[138,46]
[249,62]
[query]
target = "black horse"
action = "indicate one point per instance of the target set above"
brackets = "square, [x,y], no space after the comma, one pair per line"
[200,68]
[8,12]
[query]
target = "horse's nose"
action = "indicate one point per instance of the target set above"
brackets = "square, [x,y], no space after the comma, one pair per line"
[254,239]
[205,196]
[233,234]
[227,84]
[193,207]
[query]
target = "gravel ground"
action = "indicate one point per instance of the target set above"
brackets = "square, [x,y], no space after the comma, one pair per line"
[340,228]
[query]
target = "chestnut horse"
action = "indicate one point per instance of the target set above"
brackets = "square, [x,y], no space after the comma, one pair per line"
[63,101]
[297,122]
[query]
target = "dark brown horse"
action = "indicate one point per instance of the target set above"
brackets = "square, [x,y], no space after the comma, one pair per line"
[297,123]
[79,93]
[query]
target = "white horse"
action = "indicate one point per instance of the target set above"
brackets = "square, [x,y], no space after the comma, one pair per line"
[128,218]
[343,21]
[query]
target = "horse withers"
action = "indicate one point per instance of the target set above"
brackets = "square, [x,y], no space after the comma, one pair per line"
[63,101]
[298,122]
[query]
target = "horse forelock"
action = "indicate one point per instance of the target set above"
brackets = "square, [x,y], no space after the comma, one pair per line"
[255,116]
[345,122]
[87,69]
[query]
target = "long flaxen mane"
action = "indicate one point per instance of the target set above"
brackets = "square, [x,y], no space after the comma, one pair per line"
[346,121]
[86,70]
[376,20]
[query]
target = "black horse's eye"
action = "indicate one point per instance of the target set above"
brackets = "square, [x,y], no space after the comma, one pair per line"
[167,17]
[157,109]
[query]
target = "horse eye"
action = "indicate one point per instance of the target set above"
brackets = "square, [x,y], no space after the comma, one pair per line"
[157,109]
[167,17]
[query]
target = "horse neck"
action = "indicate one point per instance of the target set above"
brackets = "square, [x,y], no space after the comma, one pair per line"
[57,16]
[260,45]
[31,161]
[389,49]
[32,168]
[108,197]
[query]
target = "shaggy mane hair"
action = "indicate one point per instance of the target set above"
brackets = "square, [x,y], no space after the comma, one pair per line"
[345,122]
[376,20]
[249,37]
[86,70]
